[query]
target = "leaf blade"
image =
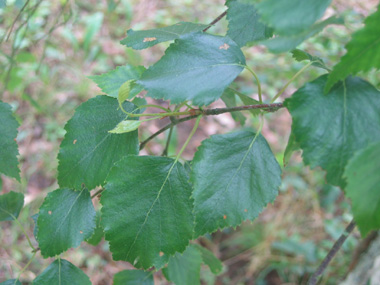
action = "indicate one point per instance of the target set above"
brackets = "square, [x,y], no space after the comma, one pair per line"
[10,205]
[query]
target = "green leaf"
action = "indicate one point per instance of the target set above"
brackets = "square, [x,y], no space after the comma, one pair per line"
[98,233]
[292,16]
[66,218]
[133,277]
[331,128]
[300,55]
[244,23]
[147,210]
[149,38]
[111,82]
[8,144]
[286,43]
[125,127]
[3,4]
[88,150]
[363,180]
[229,99]
[196,67]
[209,259]
[291,147]
[93,25]
[10,205]
[363,51]
[235,176]
[184,269]
[62,272]
[11,281]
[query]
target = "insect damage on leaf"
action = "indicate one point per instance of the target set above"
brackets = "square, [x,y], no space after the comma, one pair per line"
[149,39]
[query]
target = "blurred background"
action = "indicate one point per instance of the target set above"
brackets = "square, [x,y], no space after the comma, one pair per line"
[48,50]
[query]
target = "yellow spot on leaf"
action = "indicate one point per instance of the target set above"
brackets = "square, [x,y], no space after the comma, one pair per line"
[161,253]
[224,46]
[149,39]
[75,141]
[49,212]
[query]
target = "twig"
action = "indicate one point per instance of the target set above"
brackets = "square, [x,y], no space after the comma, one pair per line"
[97,193]
[217,19]
[212,112]
[15,20]
[333,251]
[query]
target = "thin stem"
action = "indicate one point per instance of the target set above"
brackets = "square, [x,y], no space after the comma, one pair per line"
[211,112]
[26,266]
[333,251]
[97,193]
[15,20]
[258,83]
[165,152]
[24,232]
[290,81]
[154,106]
[217,19]
[189,138]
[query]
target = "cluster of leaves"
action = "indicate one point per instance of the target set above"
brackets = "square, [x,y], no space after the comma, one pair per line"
[152,207]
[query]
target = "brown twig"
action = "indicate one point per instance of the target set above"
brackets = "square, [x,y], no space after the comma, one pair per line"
[217,19]
[333,251]
[212,112]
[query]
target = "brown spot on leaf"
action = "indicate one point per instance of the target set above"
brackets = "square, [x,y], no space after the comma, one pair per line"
[161,253]
[149,39]
[245,210]
[225,217]
[81,232]
[75,141]
[224,46]
[49,212]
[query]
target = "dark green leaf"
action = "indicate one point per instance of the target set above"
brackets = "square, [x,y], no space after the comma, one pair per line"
[148,38]
[88,150]
[62,272]
[98,233]
[244,25]
[11,281]
[196,67]
[10,205]
[300,55]
[66,218]
[184,269]
[235,176]
[229,99]
[286,43]
[363,51]
[133,277]
[110,82]
[8,144]
[291,147]
[147,210]
[363,180]
[209,259]
[292,16]
[331,128]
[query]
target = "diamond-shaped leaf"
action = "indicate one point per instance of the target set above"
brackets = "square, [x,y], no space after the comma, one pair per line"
[66,218]
[149,38]
[331,128]
[88,150]
[147,210]
[235,176]
[196,67]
